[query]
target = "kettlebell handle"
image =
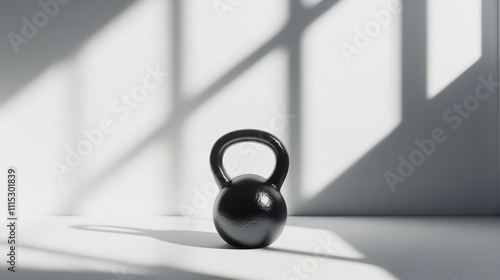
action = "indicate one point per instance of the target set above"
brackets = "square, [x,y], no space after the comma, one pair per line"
[282,160]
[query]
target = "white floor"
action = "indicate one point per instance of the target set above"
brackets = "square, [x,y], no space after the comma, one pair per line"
[138,248]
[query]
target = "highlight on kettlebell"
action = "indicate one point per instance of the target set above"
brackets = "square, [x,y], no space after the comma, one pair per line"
[249,210]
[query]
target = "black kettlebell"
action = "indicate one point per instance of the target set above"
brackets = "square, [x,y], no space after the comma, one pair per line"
[249,211]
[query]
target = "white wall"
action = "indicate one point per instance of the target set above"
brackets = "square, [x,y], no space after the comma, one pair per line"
[345,103]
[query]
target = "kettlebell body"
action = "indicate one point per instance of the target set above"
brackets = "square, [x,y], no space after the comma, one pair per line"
[249,211]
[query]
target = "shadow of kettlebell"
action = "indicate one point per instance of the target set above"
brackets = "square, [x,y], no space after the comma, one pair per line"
[200,239]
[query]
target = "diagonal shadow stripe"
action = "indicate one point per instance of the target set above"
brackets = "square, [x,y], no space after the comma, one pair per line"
[363,182]
[185,108]
[58,42]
